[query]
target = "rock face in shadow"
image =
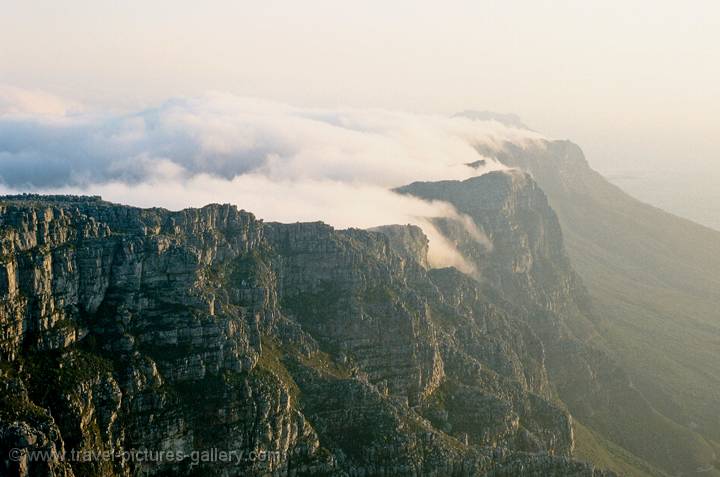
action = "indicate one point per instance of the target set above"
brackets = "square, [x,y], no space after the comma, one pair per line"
[529,266]
[408,241]
[653,278]
[296,348]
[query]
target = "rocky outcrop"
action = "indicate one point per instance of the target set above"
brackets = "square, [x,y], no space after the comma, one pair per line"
[527,260]
[408,241]
[302,349]
[653,280]
[528,266]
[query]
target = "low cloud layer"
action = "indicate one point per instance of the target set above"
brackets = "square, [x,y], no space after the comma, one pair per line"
[280,162]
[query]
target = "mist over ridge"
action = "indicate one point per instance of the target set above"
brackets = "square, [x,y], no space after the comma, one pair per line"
[281,162]
[370,239]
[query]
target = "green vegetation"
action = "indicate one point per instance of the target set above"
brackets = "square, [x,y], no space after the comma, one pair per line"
[15,405]
[591,447]
[309,307]
[322,362]
[378,294]
[271,361]
[55,371]
[250,269]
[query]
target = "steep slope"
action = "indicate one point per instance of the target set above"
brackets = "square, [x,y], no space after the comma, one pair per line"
[528,264]
[297,349]
[654,277]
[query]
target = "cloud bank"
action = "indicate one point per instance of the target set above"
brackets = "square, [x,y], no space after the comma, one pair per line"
[280,162]
[19,101]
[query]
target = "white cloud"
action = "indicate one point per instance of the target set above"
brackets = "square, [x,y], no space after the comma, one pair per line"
[280,162]
[19,101]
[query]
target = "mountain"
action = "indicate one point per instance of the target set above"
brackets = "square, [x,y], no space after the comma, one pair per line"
[585,341]
[654,279]
[301,349]
[533,269]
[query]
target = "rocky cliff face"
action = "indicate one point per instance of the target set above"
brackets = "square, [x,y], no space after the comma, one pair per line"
[529,266]
[653,281]
[296,348]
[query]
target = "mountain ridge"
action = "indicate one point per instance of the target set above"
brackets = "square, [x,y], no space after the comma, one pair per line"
[326,349]
[303,316]
[653,275]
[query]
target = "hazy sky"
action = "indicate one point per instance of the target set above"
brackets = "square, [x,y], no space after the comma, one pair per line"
[629,80]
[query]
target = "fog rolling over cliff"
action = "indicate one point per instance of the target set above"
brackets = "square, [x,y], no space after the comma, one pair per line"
[566,330]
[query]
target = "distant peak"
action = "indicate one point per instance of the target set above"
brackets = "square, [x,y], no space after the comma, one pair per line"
[508,119]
